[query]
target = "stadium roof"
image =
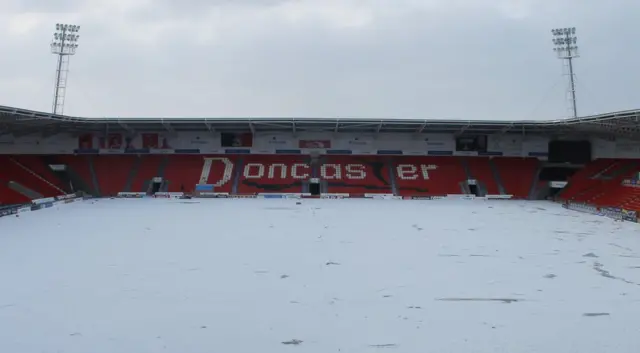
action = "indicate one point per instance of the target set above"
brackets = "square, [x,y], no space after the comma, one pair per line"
[20,122]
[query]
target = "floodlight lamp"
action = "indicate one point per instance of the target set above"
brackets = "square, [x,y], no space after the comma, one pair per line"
[573,30]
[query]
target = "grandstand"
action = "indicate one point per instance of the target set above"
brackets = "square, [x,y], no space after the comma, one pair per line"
[590,161]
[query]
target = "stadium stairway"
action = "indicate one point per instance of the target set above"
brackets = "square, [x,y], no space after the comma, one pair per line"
[112,172]
[467,169]
[24,191]
[237,175]
[132,174]
[538,187]
[148,169]
[496,177]
[70,175]
[479,169]
[163,165]
[392,176]
[94,177]
[315,166]
[9,196]
[518,175]
[539,190]
[617,168]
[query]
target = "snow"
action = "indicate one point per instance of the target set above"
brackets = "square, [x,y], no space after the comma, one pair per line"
[250,275]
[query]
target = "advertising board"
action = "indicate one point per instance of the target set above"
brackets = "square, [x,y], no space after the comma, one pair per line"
[9,211]
[168,195]
[630,216]
[42,201]
[498,197]
[66,197]
[132,195]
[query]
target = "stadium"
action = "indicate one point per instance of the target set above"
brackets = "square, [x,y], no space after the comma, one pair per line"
[318,235]
[585,162]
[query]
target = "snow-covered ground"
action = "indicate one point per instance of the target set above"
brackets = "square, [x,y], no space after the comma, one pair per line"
[247,276]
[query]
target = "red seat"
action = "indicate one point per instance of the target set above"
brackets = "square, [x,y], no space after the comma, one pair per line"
[183,171]
[36,164]
[433,176]
[112,172]
[356,175]
[273,173]
[11,171]
[186,171]
[581,182]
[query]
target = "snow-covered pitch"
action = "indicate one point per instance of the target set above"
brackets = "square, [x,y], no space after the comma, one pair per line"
[256,276]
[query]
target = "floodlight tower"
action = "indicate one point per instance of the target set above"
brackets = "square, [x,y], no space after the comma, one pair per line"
[564,40]
[64,44]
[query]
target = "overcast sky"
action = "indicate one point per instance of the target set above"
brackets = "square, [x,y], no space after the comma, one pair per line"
[459,59]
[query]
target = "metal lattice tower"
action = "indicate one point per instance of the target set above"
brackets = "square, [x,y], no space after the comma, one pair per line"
[564,40]
[64,44]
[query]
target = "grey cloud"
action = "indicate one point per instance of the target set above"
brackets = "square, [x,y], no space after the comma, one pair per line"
[45,6]
[463,64]
[163,9]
